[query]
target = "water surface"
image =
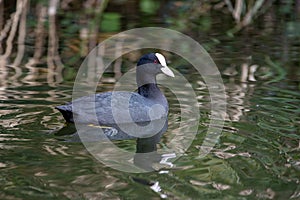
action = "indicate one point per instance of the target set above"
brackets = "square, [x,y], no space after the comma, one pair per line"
[256,156]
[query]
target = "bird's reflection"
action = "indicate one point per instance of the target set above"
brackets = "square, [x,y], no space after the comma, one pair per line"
[146,151]
[146,154]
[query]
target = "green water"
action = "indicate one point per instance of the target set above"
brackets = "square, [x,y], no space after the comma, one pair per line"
[256,157]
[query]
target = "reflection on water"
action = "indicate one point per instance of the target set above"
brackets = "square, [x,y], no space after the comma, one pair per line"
[260,141]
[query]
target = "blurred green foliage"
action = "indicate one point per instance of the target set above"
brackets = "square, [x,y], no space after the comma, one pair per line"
[111,22]
[149,6]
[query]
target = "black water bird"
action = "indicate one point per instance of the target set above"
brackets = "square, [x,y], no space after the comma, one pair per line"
[143,106]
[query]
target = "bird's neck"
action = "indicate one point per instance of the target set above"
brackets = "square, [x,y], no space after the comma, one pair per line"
[150,90]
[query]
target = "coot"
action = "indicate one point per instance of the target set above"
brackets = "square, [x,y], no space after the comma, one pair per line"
[143,106]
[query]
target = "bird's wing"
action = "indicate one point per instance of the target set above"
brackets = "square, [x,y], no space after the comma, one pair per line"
[115,107]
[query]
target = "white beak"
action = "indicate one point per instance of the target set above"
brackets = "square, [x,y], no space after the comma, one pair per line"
[165,69]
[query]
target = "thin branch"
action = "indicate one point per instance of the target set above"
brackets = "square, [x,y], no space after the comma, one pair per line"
[248,17]
[21,35]
[229,5]
[55,65]
[238,10]
[40,32]
[118,62]
[38,47]
[15,22]
[1,14]
[5,30]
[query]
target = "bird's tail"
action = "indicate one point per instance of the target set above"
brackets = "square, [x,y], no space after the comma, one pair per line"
[66,111]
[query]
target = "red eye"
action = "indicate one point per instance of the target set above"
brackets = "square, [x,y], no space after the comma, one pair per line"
[155,61]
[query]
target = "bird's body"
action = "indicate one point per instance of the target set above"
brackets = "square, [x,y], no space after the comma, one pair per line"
[138,104]
[111,108]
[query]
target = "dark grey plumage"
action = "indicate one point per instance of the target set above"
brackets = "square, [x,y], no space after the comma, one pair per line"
[140,104]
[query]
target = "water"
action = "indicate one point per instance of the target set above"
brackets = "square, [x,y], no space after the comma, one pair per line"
[256,156]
